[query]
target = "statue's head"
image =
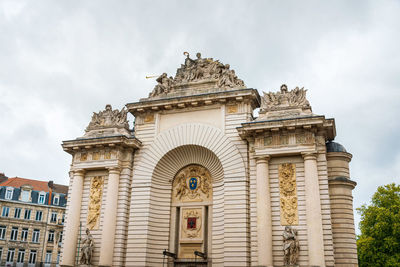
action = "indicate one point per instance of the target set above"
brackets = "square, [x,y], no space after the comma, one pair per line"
[287,228]
[108,107]
[198,55]
[284,88]
[87,231]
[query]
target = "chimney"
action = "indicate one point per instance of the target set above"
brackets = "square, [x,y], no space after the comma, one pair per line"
[50,184]
[3,177]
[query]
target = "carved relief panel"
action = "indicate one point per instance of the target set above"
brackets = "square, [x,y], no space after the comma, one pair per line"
[191,231]
[95,198]
[192,184]
[288,194]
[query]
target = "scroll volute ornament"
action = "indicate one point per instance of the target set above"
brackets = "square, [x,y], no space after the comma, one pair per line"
[288,194]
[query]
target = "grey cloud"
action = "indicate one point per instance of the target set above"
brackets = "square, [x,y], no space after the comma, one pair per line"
[62,60]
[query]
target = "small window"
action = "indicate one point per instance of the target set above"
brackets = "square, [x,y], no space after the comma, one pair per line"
[21,256]
[27,214]
[24,234]
[53,218]
[51,236]
[35,236]
[2,232]
[9,193]
[10,254]
[17,213]
[56,200]
[39,214]
[58,257]
[48,257]
[5,212]
[32,256]
[61,237]
[42,197]
[14,234]
[1,253]
[25,195]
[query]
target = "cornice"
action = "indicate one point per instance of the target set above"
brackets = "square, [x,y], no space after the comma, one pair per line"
[72,146]
[313,123]
[204,99]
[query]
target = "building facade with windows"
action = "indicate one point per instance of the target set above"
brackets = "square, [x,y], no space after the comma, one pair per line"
[31,222]
[212,173]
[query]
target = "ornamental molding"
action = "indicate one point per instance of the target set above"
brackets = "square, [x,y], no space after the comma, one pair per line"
[197,73]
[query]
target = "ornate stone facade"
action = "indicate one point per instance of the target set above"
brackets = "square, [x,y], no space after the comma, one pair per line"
[201,179]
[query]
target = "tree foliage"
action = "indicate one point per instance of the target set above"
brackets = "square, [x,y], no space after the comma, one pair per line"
[379,242]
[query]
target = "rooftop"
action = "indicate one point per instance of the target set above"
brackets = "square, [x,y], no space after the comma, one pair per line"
[36,184]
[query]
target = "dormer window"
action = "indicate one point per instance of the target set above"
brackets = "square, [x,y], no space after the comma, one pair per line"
[25,195]
[9,193]
[26,191]
[42,197]
[56,200]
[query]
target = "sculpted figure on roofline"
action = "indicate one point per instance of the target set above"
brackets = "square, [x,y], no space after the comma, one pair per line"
[196,70]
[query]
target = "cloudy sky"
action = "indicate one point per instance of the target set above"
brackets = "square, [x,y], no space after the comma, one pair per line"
[62,60]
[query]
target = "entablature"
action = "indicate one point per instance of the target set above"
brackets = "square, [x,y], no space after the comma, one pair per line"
[101,152]
[250,96]
[283,128]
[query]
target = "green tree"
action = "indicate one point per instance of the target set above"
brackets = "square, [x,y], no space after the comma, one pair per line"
[379,242]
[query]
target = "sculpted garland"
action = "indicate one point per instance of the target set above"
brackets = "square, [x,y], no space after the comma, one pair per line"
[96,193]
[288,194]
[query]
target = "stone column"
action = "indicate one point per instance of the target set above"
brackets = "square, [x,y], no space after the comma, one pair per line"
[264,214]
[72,223]
[316,254]
[109,221]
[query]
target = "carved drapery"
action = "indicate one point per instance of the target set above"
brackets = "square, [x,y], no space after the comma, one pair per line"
[96,193]
[288,194]
[191,184]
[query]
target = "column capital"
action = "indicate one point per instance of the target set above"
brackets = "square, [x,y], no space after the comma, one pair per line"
[309,155]
[114,170]
[262,159]
[78,172]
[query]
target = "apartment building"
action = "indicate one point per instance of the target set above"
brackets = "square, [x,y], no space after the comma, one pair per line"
[31,222]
